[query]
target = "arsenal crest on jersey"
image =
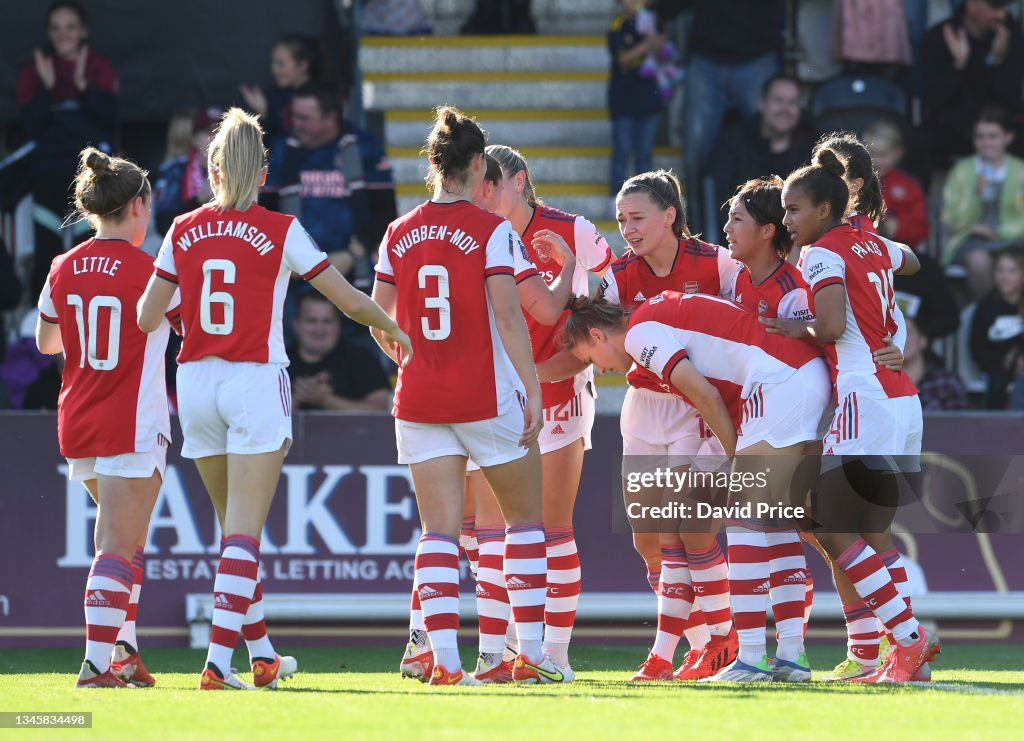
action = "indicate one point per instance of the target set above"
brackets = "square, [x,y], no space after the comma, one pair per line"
[691,286]
[762,307]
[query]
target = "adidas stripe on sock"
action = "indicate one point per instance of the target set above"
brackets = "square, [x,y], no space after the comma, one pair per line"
[107,591]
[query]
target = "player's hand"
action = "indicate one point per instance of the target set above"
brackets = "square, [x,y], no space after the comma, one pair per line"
[957,43]
[786,327]
[81,61]
[550,246]
[1000,44]
[44,68]
[533,421]
[254,98]
[399,341]
[889,357]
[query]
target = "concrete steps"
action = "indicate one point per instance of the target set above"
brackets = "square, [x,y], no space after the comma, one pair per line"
[527,127]
[552,16]
[484,54]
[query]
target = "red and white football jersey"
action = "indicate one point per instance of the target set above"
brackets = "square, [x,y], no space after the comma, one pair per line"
[438,256]
[592,254]
[699,267]
[113,398]
[781,294]
[863,264]
[233,269]
[725,342]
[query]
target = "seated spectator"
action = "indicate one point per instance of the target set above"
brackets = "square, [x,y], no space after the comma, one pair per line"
[181,182]
[983,202]
[634,102]
[939,388]
[973,60]
[394,18]
[327,371]
[996,328]
[906,207]
[295,61]
[774,142]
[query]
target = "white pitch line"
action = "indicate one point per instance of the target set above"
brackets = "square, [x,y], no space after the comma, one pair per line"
[964,689]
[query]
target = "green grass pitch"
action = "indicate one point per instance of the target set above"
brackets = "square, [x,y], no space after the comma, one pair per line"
[355,692]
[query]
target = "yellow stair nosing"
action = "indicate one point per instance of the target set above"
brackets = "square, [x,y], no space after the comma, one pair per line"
[532,153]
[490,77]
[506,114]
[383,42]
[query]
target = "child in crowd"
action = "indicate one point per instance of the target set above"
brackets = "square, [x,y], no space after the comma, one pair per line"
[906,208]
[181,182]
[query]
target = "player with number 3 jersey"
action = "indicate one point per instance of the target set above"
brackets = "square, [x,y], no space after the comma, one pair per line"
[232,261]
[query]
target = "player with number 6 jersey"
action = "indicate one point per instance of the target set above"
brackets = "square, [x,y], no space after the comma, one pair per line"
[112,420]
[232,261]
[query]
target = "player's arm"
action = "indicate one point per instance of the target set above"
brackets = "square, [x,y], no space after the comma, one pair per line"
[385,296]
[154,303]
[359,307]
[508,318]
[546,303]
[829,321]
[48,337]
[708,402]
[904,261]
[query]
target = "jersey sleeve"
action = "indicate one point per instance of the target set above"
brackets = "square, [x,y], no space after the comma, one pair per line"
[796,305]
[728,269]
[501,249]
[895,250]
[301,255]
[164,263]
[822,268]
[609,289]
[383,270]
[592,250]
[522,265]
[900,337]
[47,310]
[173,314]
[653,346]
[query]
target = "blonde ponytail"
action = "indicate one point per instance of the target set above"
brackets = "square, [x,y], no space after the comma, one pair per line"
[238,156]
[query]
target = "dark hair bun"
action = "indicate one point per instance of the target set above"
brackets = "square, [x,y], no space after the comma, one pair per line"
[96,160]
[829,161]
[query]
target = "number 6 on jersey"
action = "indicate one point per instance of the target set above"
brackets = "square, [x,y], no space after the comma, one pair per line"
[209,297]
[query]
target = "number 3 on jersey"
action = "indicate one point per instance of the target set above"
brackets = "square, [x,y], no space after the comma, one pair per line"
[209,297]
[438,301]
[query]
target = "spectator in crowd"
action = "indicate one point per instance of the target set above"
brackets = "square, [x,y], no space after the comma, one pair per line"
[634,102]
[973,60]
[327,371]
[772,142]
[43,392]
[906,207]
[341,178]
[871,32]
[928,297]
[983,202]
[996,328]
[182,183]
[940,389]
[394,18]
[295,61]
[728,66]
[67,97]
[10,291]
[500,16]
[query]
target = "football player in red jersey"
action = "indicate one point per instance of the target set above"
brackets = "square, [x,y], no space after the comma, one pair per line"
[112,418]
[447,269]
[658,426]
[569,407]
[232,260]
[850,274]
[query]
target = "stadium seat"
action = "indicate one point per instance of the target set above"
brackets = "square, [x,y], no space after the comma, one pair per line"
[853,101]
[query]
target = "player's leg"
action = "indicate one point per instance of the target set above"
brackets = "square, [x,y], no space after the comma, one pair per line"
[122,519]
[561,471]
[468,543]
[494,663]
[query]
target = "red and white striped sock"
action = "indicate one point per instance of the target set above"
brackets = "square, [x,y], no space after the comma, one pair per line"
[437,581]
[233,589]
[695,629]
[107,591]
[564,578]
[788,574]
[749,589]
[526,571]
[469,545]
[871,579]
[675,600]
[711,587]
[492,605]
[861,634]
[897,568]
[254,627]
[654,577]
[808,600]
[127,633]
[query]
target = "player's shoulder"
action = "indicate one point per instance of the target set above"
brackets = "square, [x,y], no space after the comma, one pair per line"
[699,248]
[624,261]
[789,278]
[550,213]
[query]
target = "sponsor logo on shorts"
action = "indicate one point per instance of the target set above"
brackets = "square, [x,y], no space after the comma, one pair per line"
[557,430]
